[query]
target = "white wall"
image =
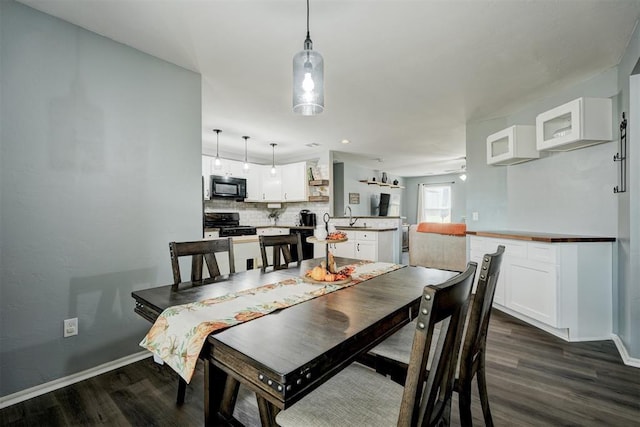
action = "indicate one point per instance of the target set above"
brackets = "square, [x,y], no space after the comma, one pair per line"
[100,170]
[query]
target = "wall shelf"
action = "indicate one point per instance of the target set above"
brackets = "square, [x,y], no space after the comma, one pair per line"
[380,184]
[319,183]
[318,198]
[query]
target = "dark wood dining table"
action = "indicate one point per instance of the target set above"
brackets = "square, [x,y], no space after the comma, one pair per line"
[285,355]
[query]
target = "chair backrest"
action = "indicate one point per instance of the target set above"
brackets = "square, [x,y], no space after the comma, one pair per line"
[281,245]
[199,251]
[445,304]
[475,338]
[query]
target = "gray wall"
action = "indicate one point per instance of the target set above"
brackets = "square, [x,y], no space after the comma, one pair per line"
[100,169]
[458,196]
[567,192]
[347,180]
[628,316]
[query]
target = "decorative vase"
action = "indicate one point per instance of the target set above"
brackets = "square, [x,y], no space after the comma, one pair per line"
[395,182]
[384,177]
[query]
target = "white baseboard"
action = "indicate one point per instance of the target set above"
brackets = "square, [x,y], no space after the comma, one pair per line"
[626,358]
[38,390]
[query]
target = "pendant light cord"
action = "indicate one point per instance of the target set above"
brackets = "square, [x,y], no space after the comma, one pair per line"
[308,19]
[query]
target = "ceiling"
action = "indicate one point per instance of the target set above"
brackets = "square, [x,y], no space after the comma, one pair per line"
[401,77]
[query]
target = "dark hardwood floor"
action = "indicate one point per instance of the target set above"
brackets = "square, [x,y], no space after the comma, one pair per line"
[534,379]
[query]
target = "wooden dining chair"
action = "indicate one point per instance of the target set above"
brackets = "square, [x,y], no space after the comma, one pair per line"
[358,396]
[282,250]
[392,356]
[202,252]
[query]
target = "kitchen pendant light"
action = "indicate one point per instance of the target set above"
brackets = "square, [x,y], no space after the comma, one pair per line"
[273,159]
[245,167]
[217,164]
[308,79]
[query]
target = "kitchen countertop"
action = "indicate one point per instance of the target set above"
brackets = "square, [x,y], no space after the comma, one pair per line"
[295,227]
[341,227]
[540,237]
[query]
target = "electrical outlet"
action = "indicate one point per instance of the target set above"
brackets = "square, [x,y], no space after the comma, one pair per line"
[70,327]
[474,215]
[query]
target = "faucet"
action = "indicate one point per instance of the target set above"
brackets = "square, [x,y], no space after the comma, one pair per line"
[351,220]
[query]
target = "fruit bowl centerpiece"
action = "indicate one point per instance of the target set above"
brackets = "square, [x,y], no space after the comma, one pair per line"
[323,275]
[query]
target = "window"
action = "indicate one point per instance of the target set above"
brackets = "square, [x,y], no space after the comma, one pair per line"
[437,203]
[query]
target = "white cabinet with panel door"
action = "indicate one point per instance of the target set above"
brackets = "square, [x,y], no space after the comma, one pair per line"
[294,182]
[564,288]
[254,183]
[366,245]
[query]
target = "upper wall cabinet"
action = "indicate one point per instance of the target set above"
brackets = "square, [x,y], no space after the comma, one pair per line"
[512,145]
[576,124]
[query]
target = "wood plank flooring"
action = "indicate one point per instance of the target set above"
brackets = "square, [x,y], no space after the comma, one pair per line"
[534,379]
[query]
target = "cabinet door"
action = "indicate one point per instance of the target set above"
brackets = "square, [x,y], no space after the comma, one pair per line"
[234,168]
[367,250]
[344,249]
[206,173]
[254,183]
[294,183]
[271,185]
[532,289]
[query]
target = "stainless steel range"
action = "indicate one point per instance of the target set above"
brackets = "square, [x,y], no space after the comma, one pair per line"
[228,223]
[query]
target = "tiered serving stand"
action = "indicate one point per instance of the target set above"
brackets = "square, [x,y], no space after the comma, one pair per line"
[326,243]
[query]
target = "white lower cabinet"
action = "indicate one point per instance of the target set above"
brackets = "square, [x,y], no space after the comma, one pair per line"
[563,288]
[369,245]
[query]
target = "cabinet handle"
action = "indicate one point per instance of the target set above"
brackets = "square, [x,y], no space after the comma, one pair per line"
[285,196]
[358,245]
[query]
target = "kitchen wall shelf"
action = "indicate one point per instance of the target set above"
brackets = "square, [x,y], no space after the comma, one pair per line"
[513,145]
[319,183]
[318,198]
[381,184]
[576,124]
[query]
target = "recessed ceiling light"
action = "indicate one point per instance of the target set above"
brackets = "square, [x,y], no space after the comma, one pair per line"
[312,144]
[345,141]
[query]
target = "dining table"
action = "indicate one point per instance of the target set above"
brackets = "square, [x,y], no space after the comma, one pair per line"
[284,355]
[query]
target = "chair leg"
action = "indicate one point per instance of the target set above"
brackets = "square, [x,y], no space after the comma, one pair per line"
[484,397]
[182,390]
[464,402]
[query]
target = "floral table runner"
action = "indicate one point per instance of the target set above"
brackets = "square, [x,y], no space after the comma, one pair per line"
[179,333]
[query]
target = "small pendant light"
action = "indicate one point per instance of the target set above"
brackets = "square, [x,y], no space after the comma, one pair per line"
[308,79]
[245,167]
[217,164]
[273,159]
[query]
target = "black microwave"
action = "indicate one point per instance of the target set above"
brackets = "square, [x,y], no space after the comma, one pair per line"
[228,187]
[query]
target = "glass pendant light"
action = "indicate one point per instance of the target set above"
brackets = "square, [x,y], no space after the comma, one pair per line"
[308,79]
[273,159]
[217,164]
[245,167]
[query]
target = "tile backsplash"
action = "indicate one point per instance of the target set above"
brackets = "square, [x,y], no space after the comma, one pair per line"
[257,214]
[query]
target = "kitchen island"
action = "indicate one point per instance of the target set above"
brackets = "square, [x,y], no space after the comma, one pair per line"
[559,283]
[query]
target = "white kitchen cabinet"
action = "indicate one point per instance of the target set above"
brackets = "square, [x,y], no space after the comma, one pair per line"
[564,288]
[294,182]
[254,183]
[369,245]
[271,231]
[576,124]
[271,185]
[515,144]
[288,185]
[206,180]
